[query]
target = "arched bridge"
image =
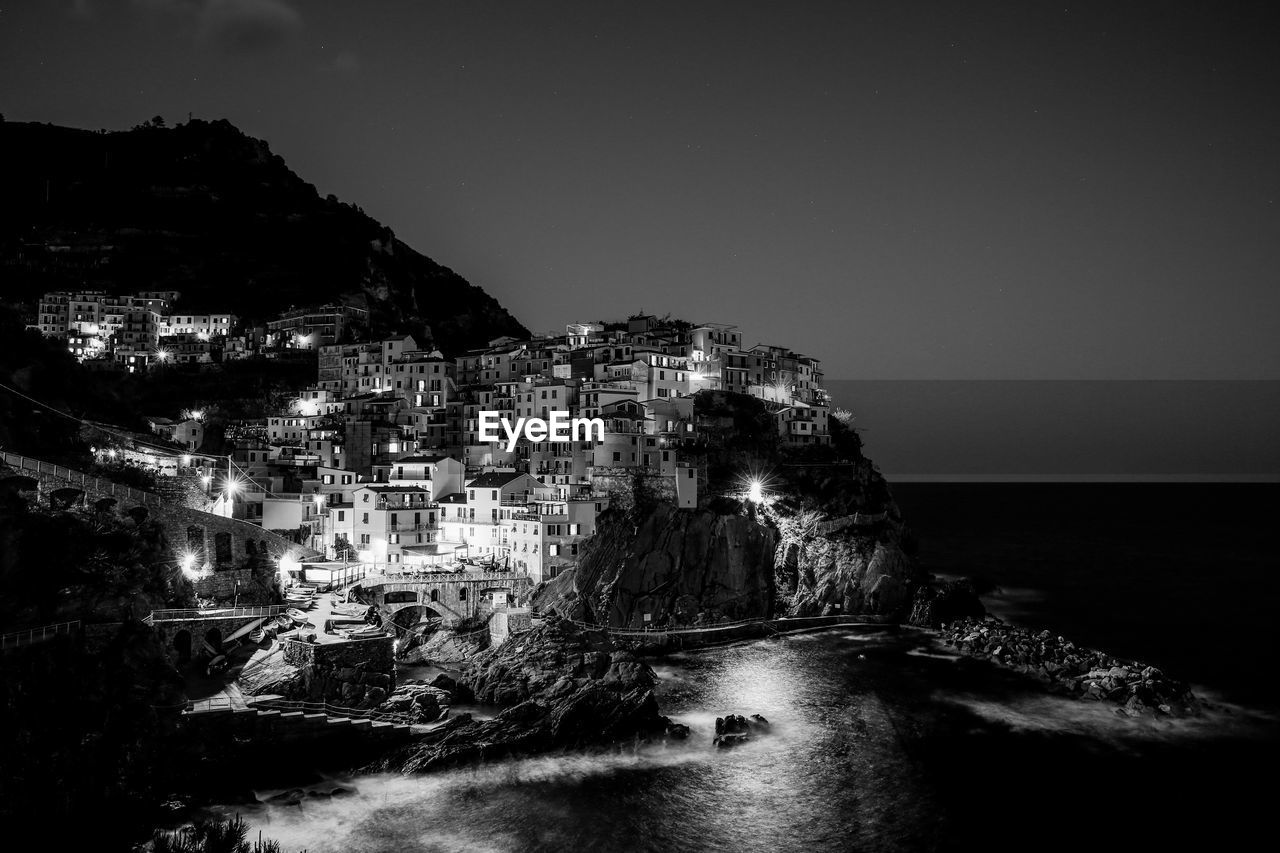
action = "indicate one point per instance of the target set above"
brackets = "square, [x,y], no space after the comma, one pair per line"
[451,595]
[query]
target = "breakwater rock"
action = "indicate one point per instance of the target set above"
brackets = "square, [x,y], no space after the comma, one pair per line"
[561,686]
[1137,689]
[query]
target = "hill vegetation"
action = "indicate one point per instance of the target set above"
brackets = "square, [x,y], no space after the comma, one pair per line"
[206,210]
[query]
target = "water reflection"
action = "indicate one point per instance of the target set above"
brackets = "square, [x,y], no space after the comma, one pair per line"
[874,746]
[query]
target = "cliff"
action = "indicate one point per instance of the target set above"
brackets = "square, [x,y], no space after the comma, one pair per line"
[676,566]
[826,539]
[207,210]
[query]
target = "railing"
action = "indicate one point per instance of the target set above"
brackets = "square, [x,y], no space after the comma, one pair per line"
[777,625]
[330,710]
[86,482]
[215,613]
[38,635]
[213,703]
[437,577]
[411,528]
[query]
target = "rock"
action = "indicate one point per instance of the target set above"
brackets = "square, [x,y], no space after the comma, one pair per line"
[726,741]
[444,682]
[1065,668]
[563,687]
[678,731]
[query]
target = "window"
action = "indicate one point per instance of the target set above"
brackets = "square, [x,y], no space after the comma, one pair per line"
[462,593]
[553,550]
[393,539]
[364,518]
[342,515]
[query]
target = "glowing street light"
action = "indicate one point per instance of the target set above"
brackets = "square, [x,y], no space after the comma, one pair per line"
[206,480]
[755,491]
[288,563]
[189,569]
[186,460]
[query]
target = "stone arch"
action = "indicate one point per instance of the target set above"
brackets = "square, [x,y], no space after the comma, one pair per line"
[415,615]
[65,498]
[214,638]
[182,645]
[435,594]
[462,593]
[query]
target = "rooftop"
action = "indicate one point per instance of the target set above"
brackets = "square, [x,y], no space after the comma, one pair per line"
[495,479]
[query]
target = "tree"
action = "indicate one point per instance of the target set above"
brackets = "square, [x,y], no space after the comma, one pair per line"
[157,121]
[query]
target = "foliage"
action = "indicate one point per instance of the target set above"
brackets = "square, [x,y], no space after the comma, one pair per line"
[230,835]
[82,564]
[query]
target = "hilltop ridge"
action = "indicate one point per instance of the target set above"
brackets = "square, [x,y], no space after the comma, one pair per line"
[207,210]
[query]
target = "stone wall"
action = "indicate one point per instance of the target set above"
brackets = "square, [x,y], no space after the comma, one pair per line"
[506,622]
[234,550]
[353,674]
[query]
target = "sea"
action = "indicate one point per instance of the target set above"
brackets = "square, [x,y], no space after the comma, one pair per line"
[888,741]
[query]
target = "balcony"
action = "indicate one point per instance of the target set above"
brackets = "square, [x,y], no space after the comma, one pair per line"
[411,528]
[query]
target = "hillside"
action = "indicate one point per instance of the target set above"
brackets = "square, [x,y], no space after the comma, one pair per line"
[206,210]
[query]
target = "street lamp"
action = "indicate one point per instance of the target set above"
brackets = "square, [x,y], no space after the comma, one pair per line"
[755,491]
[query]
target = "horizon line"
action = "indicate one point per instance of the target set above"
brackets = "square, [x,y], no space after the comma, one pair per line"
[1083,478]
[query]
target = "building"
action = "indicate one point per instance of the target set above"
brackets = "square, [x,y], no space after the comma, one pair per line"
[317,326]
[388,518]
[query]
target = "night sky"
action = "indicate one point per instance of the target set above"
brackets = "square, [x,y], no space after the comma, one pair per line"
[925,191]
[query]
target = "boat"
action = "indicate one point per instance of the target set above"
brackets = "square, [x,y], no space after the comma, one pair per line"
[296,615]
[357,611]
[369,631]
[257,635]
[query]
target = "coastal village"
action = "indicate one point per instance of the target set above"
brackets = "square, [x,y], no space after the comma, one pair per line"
[377,497]
[380,462]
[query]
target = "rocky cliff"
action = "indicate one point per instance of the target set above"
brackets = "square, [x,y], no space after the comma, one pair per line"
[561,687]
[675,566]
[847,564]
[826,539]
